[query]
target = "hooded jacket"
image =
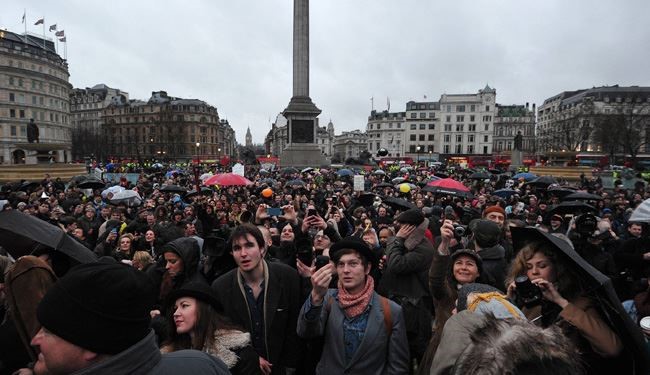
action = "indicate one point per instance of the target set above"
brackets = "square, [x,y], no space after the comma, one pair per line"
[187,249]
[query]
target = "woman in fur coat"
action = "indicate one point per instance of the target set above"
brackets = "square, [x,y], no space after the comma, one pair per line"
[198,324]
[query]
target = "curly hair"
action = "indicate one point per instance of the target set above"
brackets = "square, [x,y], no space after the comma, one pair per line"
[566,283]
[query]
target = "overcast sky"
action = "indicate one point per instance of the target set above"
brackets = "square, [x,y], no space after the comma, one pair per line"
[236,54]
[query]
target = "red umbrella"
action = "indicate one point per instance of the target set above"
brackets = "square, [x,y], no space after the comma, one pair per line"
[227,179]
[448,186]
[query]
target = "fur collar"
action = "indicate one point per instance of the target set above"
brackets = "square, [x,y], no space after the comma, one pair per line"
[226,343]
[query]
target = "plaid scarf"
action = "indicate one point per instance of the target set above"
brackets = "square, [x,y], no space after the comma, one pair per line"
[355,304]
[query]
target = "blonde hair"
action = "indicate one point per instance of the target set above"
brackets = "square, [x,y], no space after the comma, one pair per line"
[143,257]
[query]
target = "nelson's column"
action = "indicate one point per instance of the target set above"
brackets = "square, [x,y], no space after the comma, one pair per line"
[301,112]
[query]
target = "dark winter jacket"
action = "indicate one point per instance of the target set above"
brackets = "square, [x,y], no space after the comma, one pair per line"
[495,267]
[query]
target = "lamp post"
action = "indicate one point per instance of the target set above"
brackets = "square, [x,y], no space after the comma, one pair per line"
[197,168]
[430,157]
[417,149]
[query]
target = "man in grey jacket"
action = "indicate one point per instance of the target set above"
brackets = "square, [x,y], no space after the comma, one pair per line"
[95,320]
[364,332]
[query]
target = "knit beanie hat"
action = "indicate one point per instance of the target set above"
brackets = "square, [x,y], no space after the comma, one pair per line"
[487,300]
[413,216]
[100,307]
[486,232]
[495,208]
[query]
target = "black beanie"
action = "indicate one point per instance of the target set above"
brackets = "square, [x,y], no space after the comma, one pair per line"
[100,307]
[486,233]
[413,216]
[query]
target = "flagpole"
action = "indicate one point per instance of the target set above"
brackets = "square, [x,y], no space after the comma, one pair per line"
[25,22]
[43,32]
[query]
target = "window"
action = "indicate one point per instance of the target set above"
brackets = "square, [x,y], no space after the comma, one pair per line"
[448,107]
[446,148]
[378,146]
[459,127]
[447,138]
[486,138]
[11,81]
[413,137]
[470,138]
[487,108]
[459,137]
[378,126]
[459,149]
[421,137]
[390,126]
[399,125]
[430,148]
[370,146]
[423,126]
[13,130]
[472,127]
[487,127]
[448,118]
[423,115]
[470,149]
[414,115]
[431,137]
[432,126]
[460,118]
[485,149]
[432,115]
[447,127]
[472,118]
[472,108]
[412,148]
[370,126]
[22,113]
[460,108]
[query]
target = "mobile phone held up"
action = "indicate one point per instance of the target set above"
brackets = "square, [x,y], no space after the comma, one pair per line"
[274,211]
[321,261]
[312,212]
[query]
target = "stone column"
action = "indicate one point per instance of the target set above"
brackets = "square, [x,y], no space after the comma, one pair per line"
[301,48]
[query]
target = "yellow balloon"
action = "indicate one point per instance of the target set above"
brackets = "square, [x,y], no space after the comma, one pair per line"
[404,188]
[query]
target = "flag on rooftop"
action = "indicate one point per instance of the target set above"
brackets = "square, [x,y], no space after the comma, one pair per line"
[53,27]
[63,39]
[24,14]
[42,20]
[60,33]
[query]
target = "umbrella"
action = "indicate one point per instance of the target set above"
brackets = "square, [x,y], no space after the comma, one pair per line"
[379,172]
[505,193]
[79,179]
[495,171]
[367,199]
[581,196]
[398,203]
[441,175]
[398,180]
[128,197]
[113,189]
[307,170]
[204,191]
[296,182]
[263,171]
[21,234]
[288,170]
[171,173]
[268,181]
[92,183]
[479,176]
[205,176]
[641,213]
[173,189]
[405,169]
[596,286]
[448,183]
[527,176]
[571,207]
[383,185]
[543,181]
[228,179]
[344,172]
[157,165]
[560,192]
[27,185]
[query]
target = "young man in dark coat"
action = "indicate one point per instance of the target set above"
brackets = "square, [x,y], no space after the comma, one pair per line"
[486,235]
[263,297]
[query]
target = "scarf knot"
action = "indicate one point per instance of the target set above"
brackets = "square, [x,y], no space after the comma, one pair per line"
[355,304]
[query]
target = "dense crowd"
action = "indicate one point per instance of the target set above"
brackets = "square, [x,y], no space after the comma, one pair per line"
[413,271]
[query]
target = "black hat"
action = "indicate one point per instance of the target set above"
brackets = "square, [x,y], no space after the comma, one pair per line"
[486,232]
[100,307]
[413,216]
[471,254]
[354,243]
[197,290]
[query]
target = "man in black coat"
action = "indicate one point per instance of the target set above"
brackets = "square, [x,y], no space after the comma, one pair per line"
[486,235]
[263,297]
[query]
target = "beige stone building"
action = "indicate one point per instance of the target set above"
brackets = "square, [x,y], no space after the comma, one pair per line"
[166,128]
[33,85]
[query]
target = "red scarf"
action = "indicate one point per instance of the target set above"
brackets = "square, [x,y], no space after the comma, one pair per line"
[355,304]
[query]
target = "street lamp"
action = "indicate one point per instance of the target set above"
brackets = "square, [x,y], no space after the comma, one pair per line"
[197,168]
[418,151]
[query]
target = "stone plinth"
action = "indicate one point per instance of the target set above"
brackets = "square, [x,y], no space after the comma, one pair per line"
[516,160]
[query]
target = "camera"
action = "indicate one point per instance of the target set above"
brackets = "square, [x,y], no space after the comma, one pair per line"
[528,294]
[460,231]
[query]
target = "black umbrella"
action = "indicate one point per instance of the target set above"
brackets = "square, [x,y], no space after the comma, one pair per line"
[571,207]
[79,179]
[441,174]
[27,185]
[173,189]
[560,192]
[268,181]
[543,181]
[383,185]
[596,286]
[21,234]
[92,183]
[398,203]
[204,191]
[289,170]
[367,199]
[296,182]
[582,196]
[479,176]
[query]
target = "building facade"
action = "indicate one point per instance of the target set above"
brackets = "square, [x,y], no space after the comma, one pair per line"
[609,119]
[386,130]
[510,121]
[325,139]
[33,85]
[166,128]
[86,115]
[277,139]
[349,145]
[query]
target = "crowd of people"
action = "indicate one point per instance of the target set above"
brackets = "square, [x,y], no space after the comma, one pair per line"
[306,272]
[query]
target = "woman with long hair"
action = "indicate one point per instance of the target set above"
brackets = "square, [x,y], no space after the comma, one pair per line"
[563,303]
[196,320]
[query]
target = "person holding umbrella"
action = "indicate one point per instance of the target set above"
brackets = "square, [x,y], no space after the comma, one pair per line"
[547,288]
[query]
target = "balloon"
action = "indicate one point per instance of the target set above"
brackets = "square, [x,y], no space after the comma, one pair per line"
[404,188]
[267,193]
